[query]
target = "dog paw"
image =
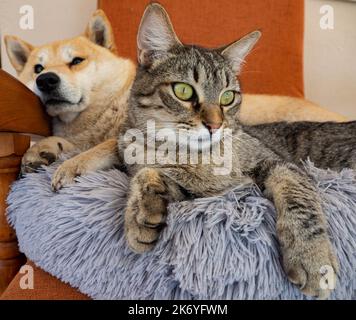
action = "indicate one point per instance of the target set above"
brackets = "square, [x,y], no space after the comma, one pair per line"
[145,215]
[66,173]
[313,268]
[36,157]
[44,153]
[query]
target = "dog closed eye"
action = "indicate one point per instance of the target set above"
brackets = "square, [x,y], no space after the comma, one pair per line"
[76,61]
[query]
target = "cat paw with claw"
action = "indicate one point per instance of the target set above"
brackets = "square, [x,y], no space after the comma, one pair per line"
[312,268]
[146,212]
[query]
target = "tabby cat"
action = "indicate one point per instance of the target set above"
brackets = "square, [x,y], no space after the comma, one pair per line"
[185,87]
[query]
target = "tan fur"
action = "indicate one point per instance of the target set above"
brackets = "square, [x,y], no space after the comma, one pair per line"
[45,152]
[109,40]
[256,109]
[102,79]
[101,157]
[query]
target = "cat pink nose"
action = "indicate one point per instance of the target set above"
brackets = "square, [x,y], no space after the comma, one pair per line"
[212,126]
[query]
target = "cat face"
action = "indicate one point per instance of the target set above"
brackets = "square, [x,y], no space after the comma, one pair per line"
[185,88]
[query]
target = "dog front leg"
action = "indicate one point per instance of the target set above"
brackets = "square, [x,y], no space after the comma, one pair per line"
[101,157]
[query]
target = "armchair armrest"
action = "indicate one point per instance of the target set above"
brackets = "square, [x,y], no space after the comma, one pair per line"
[20,112]
[20,108]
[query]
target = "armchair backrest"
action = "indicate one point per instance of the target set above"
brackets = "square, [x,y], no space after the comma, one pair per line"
[276,64]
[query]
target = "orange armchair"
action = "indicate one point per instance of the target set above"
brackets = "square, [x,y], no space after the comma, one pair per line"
[278,56]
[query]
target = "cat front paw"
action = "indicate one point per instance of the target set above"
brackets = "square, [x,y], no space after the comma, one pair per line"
[146,211]
[312,267]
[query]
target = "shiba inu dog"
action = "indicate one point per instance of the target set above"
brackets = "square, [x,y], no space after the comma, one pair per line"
[83,85]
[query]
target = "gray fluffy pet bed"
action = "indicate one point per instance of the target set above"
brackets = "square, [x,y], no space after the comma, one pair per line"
[213,248]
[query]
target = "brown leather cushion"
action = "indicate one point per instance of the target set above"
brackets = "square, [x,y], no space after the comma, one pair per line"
[46,287]
[274,67]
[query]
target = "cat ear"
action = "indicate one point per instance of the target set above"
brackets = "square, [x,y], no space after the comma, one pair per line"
[237,51]
[100,32]
[155,34]
[18,51]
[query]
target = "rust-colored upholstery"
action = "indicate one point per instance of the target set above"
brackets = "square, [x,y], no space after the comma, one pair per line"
[279,55]
[46,287]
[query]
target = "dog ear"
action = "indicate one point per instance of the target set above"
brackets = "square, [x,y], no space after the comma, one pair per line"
[18,51]
[238,50]
[100,32]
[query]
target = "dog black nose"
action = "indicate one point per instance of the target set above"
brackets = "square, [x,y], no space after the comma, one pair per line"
[48,82]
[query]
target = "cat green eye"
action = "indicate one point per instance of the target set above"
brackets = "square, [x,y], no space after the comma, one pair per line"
[183,91]
[227,98]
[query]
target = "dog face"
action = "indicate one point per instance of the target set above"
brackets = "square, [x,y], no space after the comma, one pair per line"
[66,75]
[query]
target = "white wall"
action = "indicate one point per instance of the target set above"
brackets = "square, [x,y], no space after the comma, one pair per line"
[54,20]
[330,57]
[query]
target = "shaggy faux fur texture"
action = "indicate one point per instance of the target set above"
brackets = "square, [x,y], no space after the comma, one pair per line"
[213,248]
